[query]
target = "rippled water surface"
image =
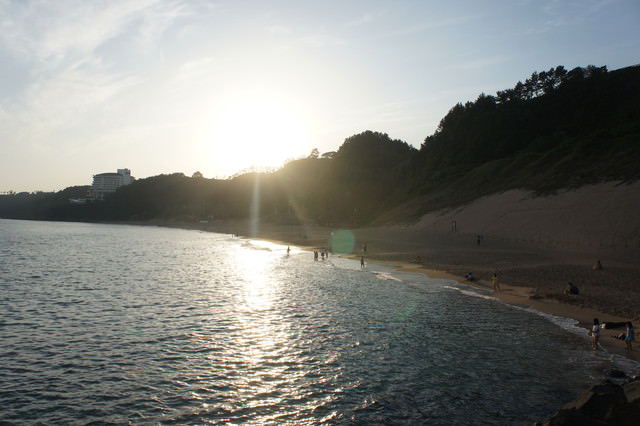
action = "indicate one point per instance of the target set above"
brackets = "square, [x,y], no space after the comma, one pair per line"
[117,324]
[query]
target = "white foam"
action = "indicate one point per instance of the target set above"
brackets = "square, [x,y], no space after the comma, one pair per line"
[567,324]
[386,276]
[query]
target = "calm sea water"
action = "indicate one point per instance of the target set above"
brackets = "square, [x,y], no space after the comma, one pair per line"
[124,324]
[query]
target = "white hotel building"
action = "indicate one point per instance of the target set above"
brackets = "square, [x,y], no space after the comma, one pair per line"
[107,183]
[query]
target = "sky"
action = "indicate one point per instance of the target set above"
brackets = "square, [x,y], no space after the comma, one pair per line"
[166,86]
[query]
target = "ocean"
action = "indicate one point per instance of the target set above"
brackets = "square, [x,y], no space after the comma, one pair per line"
[118,324]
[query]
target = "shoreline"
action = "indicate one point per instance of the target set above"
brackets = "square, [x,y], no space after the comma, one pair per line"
[383,251]
[522,296]
[449,256]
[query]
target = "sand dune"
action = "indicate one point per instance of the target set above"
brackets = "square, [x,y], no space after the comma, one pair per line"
[604,215]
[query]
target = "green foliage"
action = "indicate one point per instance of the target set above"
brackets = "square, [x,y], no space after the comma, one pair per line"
[560,129]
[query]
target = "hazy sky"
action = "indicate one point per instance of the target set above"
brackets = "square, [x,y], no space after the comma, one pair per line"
[163,86]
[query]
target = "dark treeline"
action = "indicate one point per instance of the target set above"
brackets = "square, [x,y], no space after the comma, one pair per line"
[564,129]
[558,129]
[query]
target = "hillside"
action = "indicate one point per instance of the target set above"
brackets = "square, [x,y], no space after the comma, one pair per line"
[583,131]
[559,130]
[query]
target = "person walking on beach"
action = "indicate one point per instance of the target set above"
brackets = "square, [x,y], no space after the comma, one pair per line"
[630,337]
[361,262]
[495,283]
[595,334]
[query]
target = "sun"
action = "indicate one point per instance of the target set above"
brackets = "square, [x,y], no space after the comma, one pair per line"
[257,132]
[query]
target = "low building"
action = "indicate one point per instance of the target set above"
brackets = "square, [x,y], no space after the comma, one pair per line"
[108,183]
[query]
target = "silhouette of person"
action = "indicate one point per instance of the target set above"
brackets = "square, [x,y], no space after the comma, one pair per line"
[595,334]
[495,283]
[630,337]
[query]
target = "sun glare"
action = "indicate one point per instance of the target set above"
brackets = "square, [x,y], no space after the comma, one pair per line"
[255,262]
[257,132]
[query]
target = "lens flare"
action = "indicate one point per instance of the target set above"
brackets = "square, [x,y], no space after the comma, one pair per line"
[343,242]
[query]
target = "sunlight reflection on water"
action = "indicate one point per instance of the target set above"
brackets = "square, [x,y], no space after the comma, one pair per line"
[187,327]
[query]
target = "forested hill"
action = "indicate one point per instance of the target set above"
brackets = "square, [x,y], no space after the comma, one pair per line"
[556,130]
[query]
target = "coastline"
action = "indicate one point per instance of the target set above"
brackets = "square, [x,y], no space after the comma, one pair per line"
[530,275]
[523,296]
[448,256]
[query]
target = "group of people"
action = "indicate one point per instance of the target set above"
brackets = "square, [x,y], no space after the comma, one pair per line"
[494,280]
[323,253]
[628,337]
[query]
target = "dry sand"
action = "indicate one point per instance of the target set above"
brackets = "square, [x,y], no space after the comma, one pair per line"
[535,245]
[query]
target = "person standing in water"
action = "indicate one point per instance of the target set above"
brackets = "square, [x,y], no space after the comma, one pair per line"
[630,337]
[361,262]
[595,334]
[495,283]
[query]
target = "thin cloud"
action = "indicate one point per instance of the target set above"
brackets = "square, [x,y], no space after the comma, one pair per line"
[559,14]
[47,32]
[158,17]
[61,101]
[427,26]
[364,19]
[196,65]
[70,79]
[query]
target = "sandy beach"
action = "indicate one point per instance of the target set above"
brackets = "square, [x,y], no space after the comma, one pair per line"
[536,245]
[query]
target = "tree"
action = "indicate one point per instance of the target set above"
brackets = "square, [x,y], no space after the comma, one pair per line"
[485,101]
[560,74]
[520,91]
[314,153]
